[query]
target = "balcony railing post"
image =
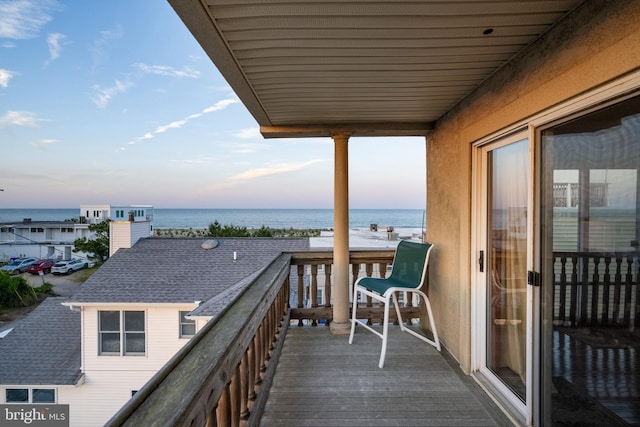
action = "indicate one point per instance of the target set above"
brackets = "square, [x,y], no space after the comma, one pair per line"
[224,408]
[300,289]
[252,375]
[369,300]
[327,286]
[244,386]
[236,399]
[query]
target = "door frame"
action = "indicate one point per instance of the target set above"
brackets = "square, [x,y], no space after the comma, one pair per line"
[530,127]
[516,408]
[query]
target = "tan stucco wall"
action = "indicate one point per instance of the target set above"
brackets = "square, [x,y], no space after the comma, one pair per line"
[597,44]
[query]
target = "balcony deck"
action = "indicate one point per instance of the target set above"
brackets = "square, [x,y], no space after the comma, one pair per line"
[321,380]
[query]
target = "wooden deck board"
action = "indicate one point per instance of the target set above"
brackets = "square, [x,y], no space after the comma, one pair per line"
[321,380]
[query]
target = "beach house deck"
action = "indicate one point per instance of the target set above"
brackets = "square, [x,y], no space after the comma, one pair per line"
[270,360]
[266,361]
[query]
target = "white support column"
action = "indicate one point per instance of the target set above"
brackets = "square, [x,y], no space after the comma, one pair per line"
[340,324]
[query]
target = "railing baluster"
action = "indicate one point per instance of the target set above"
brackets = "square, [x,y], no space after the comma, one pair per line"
[244,386]
[300,289]
[637,286]
[369,272]
[314,291]
[235,398]
[595,288]
[327,290]
[563,290]
[224,408]
[617,291]
[574,290]
[605,291]
[584,289]
[628,285]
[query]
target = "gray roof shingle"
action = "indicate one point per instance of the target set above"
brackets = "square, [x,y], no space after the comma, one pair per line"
[179,270]
[43,348]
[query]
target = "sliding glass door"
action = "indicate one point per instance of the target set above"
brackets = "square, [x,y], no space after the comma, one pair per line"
[590,260]
[503,257]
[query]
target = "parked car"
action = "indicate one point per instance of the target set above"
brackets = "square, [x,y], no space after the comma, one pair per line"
[69,266]
[43,265]
[18,265]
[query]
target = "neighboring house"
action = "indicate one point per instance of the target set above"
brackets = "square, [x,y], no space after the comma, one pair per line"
[40,355]
[54,239]
[127,320]
[94,214]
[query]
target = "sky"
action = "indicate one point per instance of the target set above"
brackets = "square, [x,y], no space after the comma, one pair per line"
[114,102]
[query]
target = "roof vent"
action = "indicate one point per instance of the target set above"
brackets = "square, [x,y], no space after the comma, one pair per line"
[209,244]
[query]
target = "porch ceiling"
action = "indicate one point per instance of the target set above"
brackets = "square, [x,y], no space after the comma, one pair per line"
[372,68]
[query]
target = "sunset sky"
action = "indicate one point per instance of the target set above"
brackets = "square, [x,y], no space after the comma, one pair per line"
[114,102]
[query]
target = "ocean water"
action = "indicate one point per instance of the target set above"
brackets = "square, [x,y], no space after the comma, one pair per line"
[250,218]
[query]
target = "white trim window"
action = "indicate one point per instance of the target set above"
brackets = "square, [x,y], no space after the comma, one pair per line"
[113,325]
[187,326]
[34,395]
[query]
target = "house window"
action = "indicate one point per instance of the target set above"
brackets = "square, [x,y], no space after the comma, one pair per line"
[116,325]
[43,395]
[187,326]
[17,395]
[38,395]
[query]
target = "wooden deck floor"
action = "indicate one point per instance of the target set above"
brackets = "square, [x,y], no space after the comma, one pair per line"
[321,380]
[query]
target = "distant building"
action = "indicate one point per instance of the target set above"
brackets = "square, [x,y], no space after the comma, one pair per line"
[54,239]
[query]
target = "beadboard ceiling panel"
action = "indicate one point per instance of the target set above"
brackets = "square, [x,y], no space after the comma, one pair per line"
[309,67]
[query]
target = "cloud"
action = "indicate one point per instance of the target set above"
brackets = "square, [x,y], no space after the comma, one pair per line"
[249,133]
[165,70]
[23,19]
[248,148]
[19,118]
[196,161]
[99,48]
[175,125]
[220,105]
[104,95]
[275,170]
[53,41]
[5,76]
[41,144]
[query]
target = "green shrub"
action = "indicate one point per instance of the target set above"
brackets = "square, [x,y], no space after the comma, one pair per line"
[15,291]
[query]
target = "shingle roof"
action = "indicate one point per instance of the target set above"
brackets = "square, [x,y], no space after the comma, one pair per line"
[43,348]
[179,270]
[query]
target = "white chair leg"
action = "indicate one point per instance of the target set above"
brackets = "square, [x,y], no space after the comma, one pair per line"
[385,332]
[397,307]
[434,330]
[353,316]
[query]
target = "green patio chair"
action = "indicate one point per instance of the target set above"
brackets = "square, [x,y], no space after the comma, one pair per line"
[409,274]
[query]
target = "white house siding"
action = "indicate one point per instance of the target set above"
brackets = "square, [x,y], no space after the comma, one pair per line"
[126,234]
[103,393]
[54,241]
[109,380]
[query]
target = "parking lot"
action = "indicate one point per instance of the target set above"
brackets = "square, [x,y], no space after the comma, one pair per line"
[63,285]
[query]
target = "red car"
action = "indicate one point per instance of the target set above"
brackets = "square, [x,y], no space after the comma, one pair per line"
[43,265]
